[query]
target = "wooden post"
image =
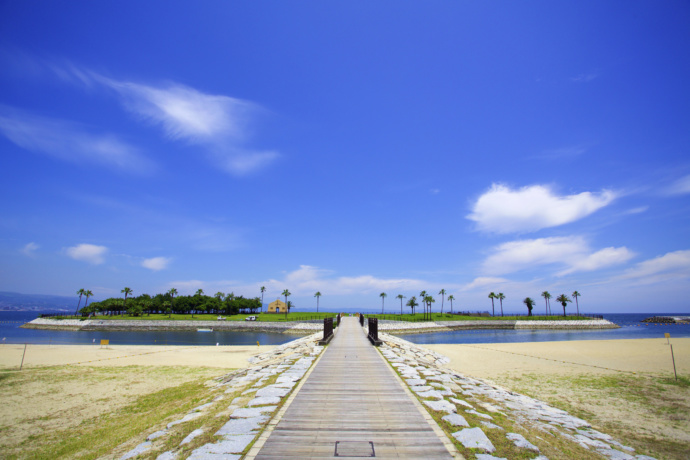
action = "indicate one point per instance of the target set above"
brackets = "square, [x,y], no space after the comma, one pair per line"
[24,354]
[674,363]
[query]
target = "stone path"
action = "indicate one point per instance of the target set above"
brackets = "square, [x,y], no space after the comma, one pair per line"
[353,405]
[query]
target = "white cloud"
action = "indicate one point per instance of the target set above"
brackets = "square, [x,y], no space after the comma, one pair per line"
[185,113]
[571,252]
[156,263]
[502,210]
[29,249]
[483,281]
[90,253]
[70,142]
[638,210]
[306,280]
[679,187]
[600,259]
[670,266]
[584,77]
[220,124]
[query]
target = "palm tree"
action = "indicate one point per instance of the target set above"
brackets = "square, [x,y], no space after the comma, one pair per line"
[563,299]
[546,297]
[400,296]
[88,294]
[451,298]
[492,296]
[219,295]
[172,292]
[530,304]
[263,289]
[428,300]
[575,296]
[199,292]
[500,297]
[317,295]
[286,293]
[81,292]
[126,291]
[383,296]
[412,303]
[442,293]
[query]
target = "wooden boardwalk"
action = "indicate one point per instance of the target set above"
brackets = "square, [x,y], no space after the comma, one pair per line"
[352,405]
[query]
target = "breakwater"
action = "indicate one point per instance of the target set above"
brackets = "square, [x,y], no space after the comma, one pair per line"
[299,328]
[302,328]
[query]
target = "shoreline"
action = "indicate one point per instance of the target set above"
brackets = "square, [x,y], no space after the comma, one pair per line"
[303,328]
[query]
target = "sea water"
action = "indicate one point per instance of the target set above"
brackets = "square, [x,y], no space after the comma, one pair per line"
[10,332]
[631,327]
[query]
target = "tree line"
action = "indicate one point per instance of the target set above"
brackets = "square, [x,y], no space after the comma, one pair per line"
[169,303]
[426,300]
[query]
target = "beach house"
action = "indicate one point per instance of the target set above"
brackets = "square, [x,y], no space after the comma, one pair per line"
[277,306]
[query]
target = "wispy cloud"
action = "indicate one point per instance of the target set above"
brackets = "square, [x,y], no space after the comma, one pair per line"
[85,252]
[560,153]
[679,187]
[219,124]
[69,141]
[306,280]
[156,263]
[570,254]
[671,266]
[504,210]
[638,210]
[584,77]
[30,249]
[483,281]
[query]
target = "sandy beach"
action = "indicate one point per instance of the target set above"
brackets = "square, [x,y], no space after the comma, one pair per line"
[490,360]
[222,357]
[625,388]
[621,386]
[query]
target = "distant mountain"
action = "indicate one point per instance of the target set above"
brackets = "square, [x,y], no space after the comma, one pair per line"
[14,301]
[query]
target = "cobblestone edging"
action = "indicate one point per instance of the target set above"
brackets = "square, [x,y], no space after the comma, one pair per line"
[254,403]
[455,395]
[146,325]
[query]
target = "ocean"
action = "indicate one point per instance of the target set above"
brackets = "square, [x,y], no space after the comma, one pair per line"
[631,328]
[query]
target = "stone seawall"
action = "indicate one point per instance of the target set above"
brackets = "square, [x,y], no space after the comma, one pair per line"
[402,327]
[147,325]
[301,328]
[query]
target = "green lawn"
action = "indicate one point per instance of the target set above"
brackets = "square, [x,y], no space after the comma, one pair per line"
[306,316]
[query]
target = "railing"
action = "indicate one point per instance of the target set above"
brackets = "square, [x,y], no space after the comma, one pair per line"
[374,331]
[327,331]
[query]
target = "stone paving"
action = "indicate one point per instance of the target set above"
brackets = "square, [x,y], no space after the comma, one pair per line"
[248,413]
[445,390]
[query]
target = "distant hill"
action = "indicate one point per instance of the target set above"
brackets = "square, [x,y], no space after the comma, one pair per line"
[14,301]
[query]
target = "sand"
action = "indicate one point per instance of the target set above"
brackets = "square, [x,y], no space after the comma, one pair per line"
[64,385]
[61,386]
[128,355]
[488,360]
[623,387]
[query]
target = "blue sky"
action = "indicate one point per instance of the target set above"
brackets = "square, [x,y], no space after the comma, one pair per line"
[348,147]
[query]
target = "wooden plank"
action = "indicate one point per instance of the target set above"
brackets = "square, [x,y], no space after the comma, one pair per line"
[352,395]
